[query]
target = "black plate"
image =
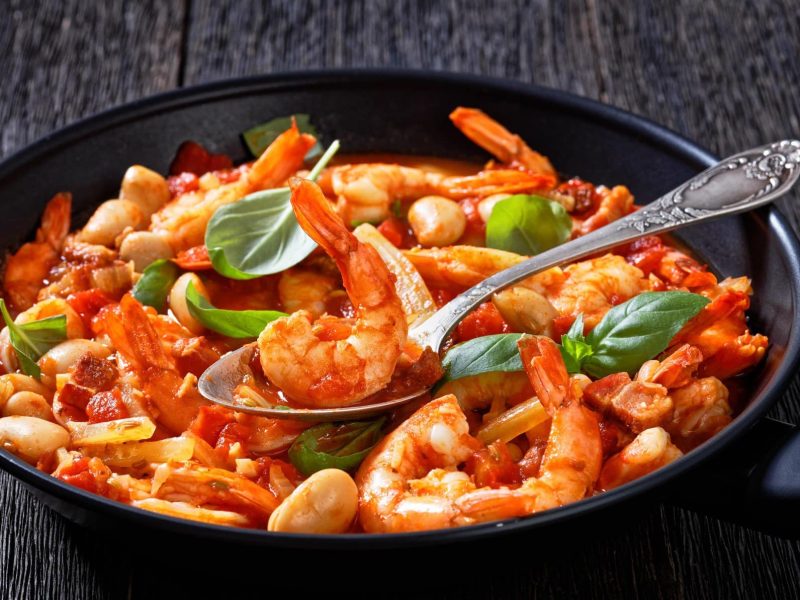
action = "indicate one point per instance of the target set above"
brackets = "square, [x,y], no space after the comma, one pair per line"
[406,112]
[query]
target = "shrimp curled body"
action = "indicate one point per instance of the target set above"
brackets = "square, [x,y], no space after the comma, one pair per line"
[334,361]
[409,481]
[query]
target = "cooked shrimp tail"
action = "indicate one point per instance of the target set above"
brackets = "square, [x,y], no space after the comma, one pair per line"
[282,158]
[136,339]
[27,268]
[508,147]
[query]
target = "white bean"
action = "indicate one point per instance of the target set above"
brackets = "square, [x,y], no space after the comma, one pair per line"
[526,310]
[326,502]
[31,438]
[436,221]
[145,188]
[109,220]
[12,383]
[486,206]
[60,358]
[28,404]
[178,305]
[144,247]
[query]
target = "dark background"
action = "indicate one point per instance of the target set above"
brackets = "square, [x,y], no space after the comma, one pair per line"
[724,73]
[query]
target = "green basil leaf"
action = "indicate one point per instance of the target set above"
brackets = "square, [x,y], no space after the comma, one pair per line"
[233,323]
[637,330]
[155,283]
[32,340]
[259,137]
[259,235]
[574,347]
[527,225]
[334,446]
[485,354]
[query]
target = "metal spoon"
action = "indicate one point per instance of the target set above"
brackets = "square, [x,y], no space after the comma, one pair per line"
[734,185]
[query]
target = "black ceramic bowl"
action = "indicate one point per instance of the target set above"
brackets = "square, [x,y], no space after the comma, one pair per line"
[406,112]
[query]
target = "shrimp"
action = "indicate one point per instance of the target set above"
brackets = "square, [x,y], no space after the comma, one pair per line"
[592,287]
[333,361]
[409,480]
[305,289]
[27,269]
[615,203]
[573,455]
[183,221]
[137,341]
[214,487]
[720,331]
[365,191]
[650,450]
[701,410]
[508,148]
[423,451]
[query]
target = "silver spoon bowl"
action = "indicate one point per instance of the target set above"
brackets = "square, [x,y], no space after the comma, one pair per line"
[737,184]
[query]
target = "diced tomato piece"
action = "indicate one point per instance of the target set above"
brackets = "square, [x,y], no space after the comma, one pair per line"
[194,158]
[475,231]
[398,232]
[561,325]
[585,194]
[484,320]
[210,421]
[78,474]
[393,230]
[493,466]
[645,253]
[90,474]
[194,259]
[106,406]
[88,303]
[442,297]
[74,399]
[182,184]
[231,434]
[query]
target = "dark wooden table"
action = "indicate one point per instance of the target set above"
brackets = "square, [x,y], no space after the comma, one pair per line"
[726,73]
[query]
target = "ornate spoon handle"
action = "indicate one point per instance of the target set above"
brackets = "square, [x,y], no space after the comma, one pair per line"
[736,184]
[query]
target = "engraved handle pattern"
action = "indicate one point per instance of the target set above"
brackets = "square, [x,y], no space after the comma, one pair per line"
[748,179]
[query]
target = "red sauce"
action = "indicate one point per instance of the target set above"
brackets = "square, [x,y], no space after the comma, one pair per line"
[106,406]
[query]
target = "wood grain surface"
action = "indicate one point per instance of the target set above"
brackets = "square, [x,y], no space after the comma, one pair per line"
[725,73]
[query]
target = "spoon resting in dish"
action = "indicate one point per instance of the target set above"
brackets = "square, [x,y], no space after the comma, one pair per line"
[737,184]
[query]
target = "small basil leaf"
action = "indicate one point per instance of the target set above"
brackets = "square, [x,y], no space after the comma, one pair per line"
[233,323]
[258,138]
[259,235]
[637,330]
[32,340]
[334,446]
[155,283]
[574,347]
[485,354]
[527,225]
